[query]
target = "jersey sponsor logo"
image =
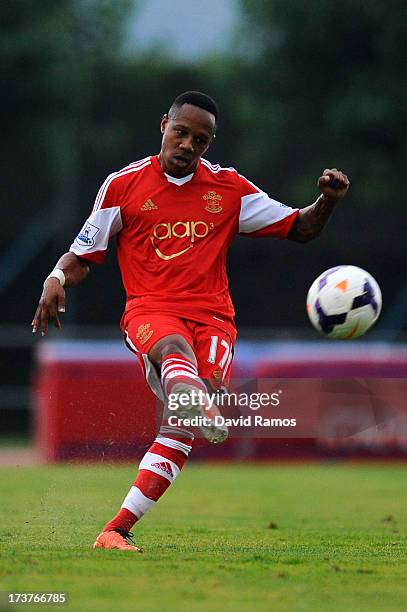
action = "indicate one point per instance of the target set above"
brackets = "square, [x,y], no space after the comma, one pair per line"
[191,230]
[212,200]
[149,205]
[144,333]
[86,236]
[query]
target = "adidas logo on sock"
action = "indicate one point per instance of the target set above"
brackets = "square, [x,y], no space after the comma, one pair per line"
[164,466]
[149,205]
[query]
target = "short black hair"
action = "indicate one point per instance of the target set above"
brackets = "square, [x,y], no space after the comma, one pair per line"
[197,98]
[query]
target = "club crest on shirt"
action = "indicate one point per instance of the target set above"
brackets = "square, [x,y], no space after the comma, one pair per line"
[86,236]
[212,200]
[144,333]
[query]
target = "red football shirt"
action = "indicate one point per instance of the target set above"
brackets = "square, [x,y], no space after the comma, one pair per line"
[173,234]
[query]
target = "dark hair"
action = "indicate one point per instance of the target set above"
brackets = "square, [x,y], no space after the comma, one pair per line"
[196,98]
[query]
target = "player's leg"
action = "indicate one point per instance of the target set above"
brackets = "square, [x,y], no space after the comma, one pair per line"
[157,471]
[173,358]
[166,457]
[185,390]
[213,351]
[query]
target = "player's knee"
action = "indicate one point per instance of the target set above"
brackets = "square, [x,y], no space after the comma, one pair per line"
[180,347]
[172,345]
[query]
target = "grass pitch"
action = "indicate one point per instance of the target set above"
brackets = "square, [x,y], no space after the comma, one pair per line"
[235,537]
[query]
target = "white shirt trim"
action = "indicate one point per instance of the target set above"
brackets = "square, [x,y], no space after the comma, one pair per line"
[179,181]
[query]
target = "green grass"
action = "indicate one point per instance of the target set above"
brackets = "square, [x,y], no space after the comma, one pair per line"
[339,541]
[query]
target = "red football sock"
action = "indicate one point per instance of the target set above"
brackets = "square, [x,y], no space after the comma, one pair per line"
[176,368]
[124,519]
[158,469]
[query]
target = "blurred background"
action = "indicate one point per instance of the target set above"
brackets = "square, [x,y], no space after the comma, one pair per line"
[302,85]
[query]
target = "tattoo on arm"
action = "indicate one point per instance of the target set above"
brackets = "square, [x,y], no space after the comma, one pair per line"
[311,220]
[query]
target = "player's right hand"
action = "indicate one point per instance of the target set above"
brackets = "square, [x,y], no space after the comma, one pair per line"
[52,301]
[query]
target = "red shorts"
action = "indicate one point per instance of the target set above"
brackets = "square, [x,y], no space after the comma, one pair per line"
[212,346]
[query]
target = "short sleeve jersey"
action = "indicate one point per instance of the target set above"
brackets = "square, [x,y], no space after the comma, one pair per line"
[173,234]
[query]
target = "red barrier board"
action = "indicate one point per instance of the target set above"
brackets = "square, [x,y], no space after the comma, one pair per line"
[91,406]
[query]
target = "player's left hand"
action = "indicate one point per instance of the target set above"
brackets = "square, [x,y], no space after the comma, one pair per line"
[333,184]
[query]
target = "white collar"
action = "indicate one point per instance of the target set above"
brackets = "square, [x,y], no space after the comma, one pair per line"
[179,181]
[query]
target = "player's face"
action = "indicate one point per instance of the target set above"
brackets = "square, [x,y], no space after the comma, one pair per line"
[187,134]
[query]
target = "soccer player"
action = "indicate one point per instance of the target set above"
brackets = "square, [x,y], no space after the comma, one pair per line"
[174,216]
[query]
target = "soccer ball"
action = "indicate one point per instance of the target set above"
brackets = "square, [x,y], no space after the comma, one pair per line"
[343,302]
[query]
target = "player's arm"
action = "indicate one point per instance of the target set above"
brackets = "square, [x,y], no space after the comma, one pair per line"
[69,271]
[310,221]
[89,246]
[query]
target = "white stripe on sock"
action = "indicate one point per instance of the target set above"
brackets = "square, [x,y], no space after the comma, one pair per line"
[184,448]
[183,362]
[176,373]
[167,367]
[137,503]
[159,465]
